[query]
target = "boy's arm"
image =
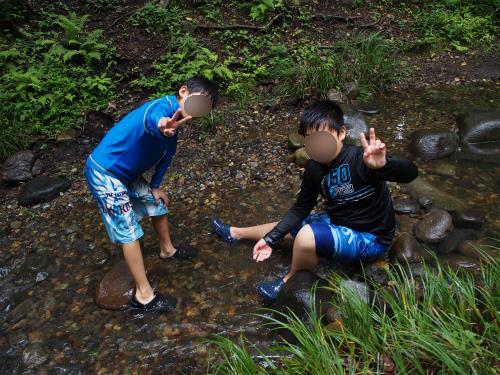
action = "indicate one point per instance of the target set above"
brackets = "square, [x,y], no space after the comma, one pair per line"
[396,170]
[162,167]
[308,196]
[374,163]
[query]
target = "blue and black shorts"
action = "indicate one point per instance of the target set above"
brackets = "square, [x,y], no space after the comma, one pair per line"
[341,243]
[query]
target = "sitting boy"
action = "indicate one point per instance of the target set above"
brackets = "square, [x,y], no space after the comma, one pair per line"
[359,221]
[145,138]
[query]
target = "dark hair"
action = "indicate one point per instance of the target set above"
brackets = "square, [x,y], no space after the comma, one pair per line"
[205,86]
[321,113]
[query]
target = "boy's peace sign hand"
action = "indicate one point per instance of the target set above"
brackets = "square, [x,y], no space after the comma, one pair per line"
[374,153]
[168,125]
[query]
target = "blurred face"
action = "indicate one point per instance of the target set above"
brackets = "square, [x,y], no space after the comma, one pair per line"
[323,145]
[194,104]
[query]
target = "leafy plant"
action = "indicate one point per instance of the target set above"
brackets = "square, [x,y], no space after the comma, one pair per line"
[458,24]
[154,17]
[188,58]
[44,89]
[259,8]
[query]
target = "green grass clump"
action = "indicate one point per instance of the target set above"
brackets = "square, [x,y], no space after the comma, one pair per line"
[442,322]
[50,79]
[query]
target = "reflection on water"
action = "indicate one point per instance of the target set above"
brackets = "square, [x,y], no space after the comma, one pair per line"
[65,241]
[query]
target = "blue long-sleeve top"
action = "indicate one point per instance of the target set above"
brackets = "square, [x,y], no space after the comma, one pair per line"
[135,144]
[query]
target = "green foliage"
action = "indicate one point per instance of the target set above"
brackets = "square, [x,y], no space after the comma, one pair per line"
[459,27]
[154,17]
[186,59]
[259,9]
[49,81]
[369,61]
[440,322]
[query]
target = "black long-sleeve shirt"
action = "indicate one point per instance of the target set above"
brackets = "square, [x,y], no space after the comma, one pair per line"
[355,196]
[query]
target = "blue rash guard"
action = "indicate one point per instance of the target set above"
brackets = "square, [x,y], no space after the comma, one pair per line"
[135,144]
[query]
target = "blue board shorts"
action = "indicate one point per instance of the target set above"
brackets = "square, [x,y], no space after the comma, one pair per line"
[121,205]
[341,243]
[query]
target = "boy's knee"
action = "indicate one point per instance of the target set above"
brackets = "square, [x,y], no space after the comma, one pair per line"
[305,238]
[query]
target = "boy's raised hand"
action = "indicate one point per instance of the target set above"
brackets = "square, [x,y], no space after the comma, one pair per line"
[261,251]
[374,153]
[168,125]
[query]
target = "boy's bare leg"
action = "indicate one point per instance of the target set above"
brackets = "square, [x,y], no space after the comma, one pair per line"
[133,257]
[160,223]
[304,252]
[254,233]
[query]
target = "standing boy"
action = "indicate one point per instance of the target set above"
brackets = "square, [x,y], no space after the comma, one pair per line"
[358,223]
[145,138]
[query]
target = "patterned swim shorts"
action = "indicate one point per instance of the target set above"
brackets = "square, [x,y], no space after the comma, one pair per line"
[341,243]
[121,205]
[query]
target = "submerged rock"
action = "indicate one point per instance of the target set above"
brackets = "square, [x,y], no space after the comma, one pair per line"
[369,108]
[116,288]
[405,223]
[34,355]
[455,239]
[43,189]
[406,206]
[295,141]
[355,124]
[480,131]
[430,144]
[468,219]
[20,167]
[406,249]
[297,296]
[456,262]
[477,249]
[421,189]
[434,226]
[301,157]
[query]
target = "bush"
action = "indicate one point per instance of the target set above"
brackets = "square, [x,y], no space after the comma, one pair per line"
[49,81]
[460,24]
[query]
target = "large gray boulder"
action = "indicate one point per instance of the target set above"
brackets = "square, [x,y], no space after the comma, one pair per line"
[355,123]
[430,144]
[480,131]
[21,166]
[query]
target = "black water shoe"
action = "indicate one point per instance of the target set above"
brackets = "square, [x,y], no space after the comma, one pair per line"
[159,304]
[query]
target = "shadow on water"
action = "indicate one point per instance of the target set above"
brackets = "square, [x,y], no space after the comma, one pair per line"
[51,268]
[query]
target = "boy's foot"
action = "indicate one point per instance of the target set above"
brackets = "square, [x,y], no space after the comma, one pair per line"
[223,230]
[159,304]
[269,291]
[181,253]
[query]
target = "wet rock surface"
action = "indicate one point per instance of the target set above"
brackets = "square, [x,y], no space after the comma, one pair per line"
[115,290]
[468,219]
[453,241]
[434,226]
[297,296]
[406,249]
[480,131]
[430,144]
[43,189]
[355,123]
[421,189]
[406,206]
